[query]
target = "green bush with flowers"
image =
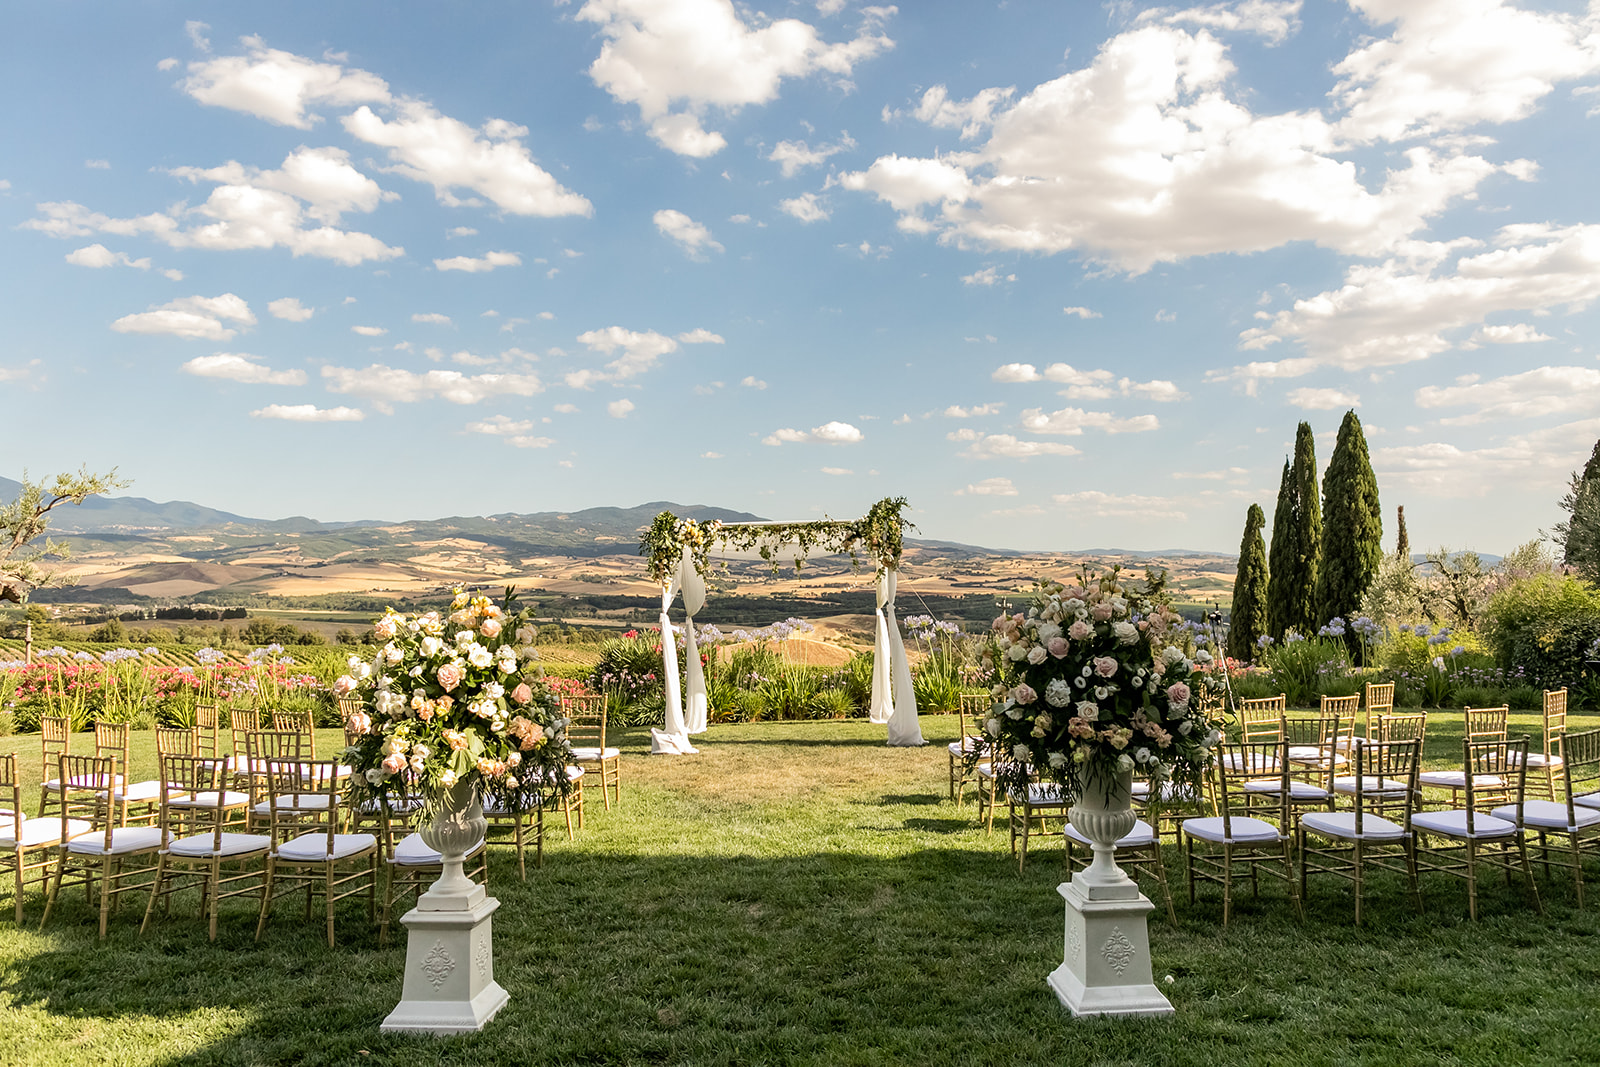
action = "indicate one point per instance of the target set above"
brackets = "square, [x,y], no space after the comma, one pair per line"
[452,702]
[1094,681]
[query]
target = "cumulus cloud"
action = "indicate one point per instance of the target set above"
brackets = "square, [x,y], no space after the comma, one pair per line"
[677,60]
[369,331]
[236,367]
[989,487]
[1098,384]
[637,352]
[971,116]
[618,409]
[193,318]
[1323,399]
[290,309]
[1081,312]
[1073,421]
[280,86]
[99,256]
[691,235]
[986,277]
[804,207]
[308,413]
[829,433]
[432,318]
[837,471]
[1544,392]
[479,266]
[518,433]
[1519,333]
[387,386]
[1542,457]
[752,382]
[794,156]
[956,411]
[1006,446]
[1273,20]
[1097,505]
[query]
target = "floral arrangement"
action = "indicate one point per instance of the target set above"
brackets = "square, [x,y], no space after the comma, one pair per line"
[456,700]
[879,533]
[1096,680]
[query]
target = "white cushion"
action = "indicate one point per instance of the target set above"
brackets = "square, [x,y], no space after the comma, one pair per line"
[294,802]
[396,804]
[82,781]
[1141,836]
[594,753]
[1246,831]
[138,792]
[1303,791]
[1371,786]
[45,830]
[965,745]
[985,770]
[1588,800]
[1548,815]
[413,851]
[1538,759]
[313,848]
[124,839]
[208,799]
[199,846]
[1454,824]
[1343,824]
[1249,763]
[1313,754]
[1458,780]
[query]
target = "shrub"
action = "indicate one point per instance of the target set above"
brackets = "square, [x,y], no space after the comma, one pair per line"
[834,704]
[1544,625]
[856,679]
[1523,697]
[1299,666]
[1255,684]
[790,693]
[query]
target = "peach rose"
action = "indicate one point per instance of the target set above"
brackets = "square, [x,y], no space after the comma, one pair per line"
[449,676]
[522,694]
[489,628]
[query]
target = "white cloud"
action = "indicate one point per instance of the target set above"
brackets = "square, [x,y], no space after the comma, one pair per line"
[804,207]
[197,34]
[639,351]
[701,336]
[369,331]
[170,63]
[1093,504]
[837,470]
[989,487]
[241,368]
[432,318]
[98,256]
[1400,311]
[970,116]
[322,177]
[956,411]
[97,164]
[291,309]
[308,413]
[693,236]
[829,433]
[711,455]
[565,409]
[1452,64]
[280,86]
[1089,384]
[19,374]
[547,316]
[1005,446]
[1323,399]
[1073,421]
[618,409]
[1273,20]
[1542,458]
[752,382]
[1142,157]
[987,276]
[193,318]
[460,231]
[1542,393]
[794,156]
[478,266]
[1519,333]
[1081,312]
[696,55]
[387,386]
[518,433]
[430,147]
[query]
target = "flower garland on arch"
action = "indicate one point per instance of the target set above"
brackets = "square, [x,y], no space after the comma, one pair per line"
[879,535]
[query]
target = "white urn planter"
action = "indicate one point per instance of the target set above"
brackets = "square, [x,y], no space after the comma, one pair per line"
[1105,967]
[449,977]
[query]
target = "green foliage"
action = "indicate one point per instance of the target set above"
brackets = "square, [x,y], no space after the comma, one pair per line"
[1352,527]
[1296,542]
[25,520]
[937,685]
[1544,626]
[1299,667]
[835,704]
[1402,540]
[1254,684]
[1579,535]
[855,678]
[1248,619]
[879,534]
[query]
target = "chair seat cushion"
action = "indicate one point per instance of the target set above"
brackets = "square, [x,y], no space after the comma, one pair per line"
[1040,795]
[82,781]
[965,745]
[1454,824]
[45,830]
[124,840]
[200,845]
[592,753]
[294,802]
[1458,780]
[1302,791]
[413,851]
[1141,836]
[1342,824]
[1249,763]
[1245,830]
[1538,760]
[138,792]
[1314,754]
[1371,786]
[1588,800]
[209,799]
[1549,815]
[313,848]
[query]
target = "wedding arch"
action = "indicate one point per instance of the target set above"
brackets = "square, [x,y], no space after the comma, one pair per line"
[678,556]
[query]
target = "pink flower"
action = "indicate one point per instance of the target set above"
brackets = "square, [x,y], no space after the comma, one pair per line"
[360,722]
[449,676]
[345,685]
[1178,693]
[1101,611]
[1024,694]
[490,628]
[1080,631]
[385,627]
[1057,647]
[394,763]
[1105,666]
[522,694]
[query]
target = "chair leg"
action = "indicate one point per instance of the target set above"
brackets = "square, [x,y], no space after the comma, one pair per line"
[388,905]
[1527,873]
[1357,880]
[1577,870]
[1472,880]
[1227,883]
[214,882]
[266,897]
[538,855]
[327,894]
[1161,876]
[155,891]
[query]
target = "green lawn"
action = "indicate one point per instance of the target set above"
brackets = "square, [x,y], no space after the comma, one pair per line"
[802,894]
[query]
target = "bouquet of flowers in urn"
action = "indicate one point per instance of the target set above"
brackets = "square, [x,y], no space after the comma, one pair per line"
[456,703]
[1094,681]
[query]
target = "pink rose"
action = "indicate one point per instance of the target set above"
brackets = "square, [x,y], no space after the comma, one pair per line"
[1105,666]
[360,722]
[1024,694]
[385,627]
[1178,694]
[1101,611]
[1057,647]
[394,763]
[1080,631]
[449,676]
[522,694]
[490,628]
[345,685]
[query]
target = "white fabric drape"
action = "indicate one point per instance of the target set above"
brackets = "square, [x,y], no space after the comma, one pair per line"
[881,710]
[674,739]
[904,729]
[694,598]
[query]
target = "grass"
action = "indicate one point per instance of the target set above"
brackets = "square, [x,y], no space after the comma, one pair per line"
[802,894]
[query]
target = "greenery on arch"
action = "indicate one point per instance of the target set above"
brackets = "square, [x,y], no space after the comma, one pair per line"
[878,535]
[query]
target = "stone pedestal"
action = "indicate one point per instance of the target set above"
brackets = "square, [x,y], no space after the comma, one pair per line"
[449,983]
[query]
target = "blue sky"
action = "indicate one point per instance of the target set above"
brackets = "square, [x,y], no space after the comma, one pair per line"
[1064,275]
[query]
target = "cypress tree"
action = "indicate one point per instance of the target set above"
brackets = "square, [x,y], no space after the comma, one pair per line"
[1402,541]
[1352,531]
[1579,536]
[1249,616]
[1296,543]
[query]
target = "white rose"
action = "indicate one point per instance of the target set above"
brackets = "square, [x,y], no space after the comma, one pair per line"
[465,638]
[1020,752]
[375,775]
[1126,632]
[992,727]
[1143,755]
[1058,759]
[525,635]
[1124,763]
[1036,655]
[1016,653]
[431,646]
[1049,630]
[1088,711]
[494,691]
[479,656]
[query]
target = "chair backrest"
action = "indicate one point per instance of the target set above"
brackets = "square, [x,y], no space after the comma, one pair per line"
[1379,701]
[1500,758]
[1323,732]
[187,776]
[289,782]
[1486,724]
[1252,761]
[11,796]
[349,704]
[86,784]
[111,741]
[1261,719]
[1581,767]
[1400,726]
[1342,711]
[1555,720]
[205,724]
[176,741]
[242,722]
[301,722]
[55,739]
[1378,762]
[588,714]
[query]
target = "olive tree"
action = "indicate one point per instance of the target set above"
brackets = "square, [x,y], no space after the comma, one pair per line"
[24,521]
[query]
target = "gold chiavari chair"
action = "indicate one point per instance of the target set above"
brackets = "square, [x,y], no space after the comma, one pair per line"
[1215,846]
[55,741]
[300,722]
[973,708]
[586,732]
[1345,843]
[97,859]
[1544,766]
[310,853]
[29,843]
[1574,817]
[1481,724]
